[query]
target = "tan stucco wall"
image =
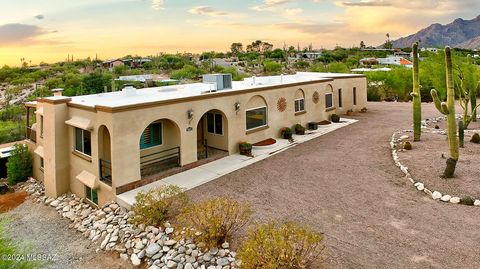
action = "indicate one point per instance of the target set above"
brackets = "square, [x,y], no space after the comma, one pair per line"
[126,127]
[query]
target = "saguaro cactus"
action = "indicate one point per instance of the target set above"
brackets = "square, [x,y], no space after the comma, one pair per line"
[448,109]
[417,99]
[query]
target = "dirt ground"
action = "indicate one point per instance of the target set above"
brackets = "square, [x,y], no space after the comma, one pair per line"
[345,185]
[43,230]
[426,164]
[11,200]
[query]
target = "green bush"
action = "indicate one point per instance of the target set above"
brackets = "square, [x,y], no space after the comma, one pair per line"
[285,245]
[213,222]
[335,118]
[155,206]
[19,165]
[11,131]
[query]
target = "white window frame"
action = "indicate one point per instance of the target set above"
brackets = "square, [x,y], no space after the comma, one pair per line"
[266,115]
[333,101]
[295,105]
[215,126]
[83,144]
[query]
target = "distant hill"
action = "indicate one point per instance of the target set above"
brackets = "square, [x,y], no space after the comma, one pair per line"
[460,33]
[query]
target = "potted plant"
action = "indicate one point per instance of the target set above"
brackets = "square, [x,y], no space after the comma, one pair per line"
[334,118]
[363,110]
[286,133]
[245,148]
[350,112]
[312,125]
[299,129]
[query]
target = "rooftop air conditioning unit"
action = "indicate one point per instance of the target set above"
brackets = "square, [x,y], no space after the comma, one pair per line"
[220,81]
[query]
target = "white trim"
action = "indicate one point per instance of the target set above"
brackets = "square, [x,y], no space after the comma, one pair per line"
[333,101]
[295,107]
[266,115]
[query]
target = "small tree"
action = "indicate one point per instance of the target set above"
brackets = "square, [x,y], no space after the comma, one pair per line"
[19,165]
[468,90]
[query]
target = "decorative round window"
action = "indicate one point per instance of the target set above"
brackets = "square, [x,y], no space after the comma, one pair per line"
[282,104]
[316,97]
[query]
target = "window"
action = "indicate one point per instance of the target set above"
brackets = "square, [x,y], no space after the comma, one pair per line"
[42,164]
[299,105]
[83,141]
[92,195]
[328,100]
[256,117]
[215,123]
[41,126]
[152,136]
[354,96]
[339,97]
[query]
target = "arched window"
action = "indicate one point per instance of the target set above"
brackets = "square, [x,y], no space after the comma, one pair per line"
[256,113]
[329,97]
[299,102]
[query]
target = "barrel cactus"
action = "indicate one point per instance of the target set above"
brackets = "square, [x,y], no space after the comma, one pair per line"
[448,109]
[417,99]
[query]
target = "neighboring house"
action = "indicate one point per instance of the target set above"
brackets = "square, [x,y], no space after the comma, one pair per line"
[310,55]
[98,146]
[136,63]
[368,61]
[110,64]
[434,50]
[395,60]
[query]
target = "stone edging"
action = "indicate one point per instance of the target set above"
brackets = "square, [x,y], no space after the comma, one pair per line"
[110,228]
[420,186]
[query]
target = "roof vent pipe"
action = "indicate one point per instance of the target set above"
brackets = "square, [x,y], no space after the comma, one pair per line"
[253,79]
[281,78]
[57,92]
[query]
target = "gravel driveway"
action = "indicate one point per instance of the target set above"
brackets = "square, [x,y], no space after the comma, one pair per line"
[47,233]
[346,185]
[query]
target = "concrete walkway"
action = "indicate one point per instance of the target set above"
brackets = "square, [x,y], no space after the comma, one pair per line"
[200,175]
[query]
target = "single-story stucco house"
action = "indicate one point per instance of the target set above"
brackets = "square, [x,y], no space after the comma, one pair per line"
[98,146]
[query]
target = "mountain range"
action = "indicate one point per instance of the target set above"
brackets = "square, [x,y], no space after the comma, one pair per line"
[460,34]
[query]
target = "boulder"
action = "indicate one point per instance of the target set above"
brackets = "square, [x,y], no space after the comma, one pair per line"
[152,249]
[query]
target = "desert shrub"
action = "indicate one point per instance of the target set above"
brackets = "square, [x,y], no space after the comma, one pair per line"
[285,245]
[157,205]
[475,138]
[214,221]
[19,165]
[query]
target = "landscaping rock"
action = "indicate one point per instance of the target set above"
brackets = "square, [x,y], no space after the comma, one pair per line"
[446,198]
[476,203]
[455,200]
[152,249]
[436,195]
[135,260]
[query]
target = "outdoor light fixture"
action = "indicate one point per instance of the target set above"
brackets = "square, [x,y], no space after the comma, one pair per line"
[237,106]
[190,114]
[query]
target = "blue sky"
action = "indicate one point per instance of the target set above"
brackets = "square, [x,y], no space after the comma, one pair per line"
[49,30]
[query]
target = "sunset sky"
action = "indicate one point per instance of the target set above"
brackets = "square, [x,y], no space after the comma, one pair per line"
[49,30]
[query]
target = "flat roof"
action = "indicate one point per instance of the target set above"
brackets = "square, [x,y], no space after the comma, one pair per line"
[165,93]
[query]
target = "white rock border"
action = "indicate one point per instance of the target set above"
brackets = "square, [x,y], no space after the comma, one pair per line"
[420,186]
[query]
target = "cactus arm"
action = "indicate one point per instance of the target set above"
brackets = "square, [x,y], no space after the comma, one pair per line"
[438,104]
[445,108]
